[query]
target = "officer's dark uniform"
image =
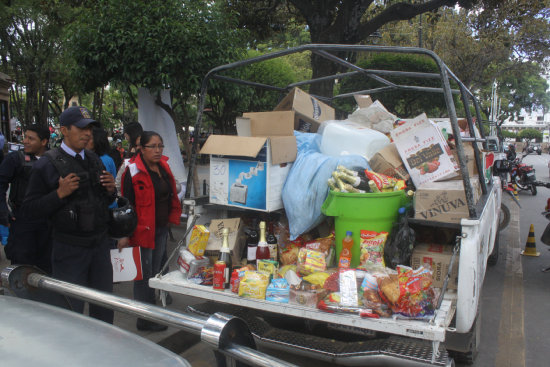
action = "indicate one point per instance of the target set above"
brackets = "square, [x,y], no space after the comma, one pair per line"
[29,240]
[81,248]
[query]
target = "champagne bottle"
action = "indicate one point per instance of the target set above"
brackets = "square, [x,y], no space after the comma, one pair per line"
[252,244]
[262,252]
[225,256]
[272,243]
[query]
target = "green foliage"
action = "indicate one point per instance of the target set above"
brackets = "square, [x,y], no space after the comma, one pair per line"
[509,134]
[228,100]
[530,134]
[402,103]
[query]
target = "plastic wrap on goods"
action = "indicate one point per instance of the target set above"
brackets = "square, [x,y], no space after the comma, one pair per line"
[306,187]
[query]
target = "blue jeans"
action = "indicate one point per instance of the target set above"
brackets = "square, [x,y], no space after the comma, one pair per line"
[151,263]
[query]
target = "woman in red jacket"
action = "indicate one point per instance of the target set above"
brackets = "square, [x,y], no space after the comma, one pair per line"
[149,185]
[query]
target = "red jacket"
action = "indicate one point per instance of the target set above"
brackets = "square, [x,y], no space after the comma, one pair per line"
[144,235]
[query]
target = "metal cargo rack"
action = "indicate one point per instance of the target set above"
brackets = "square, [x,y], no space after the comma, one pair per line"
[330,52]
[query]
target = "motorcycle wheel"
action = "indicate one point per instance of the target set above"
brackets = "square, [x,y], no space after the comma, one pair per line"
[533,190]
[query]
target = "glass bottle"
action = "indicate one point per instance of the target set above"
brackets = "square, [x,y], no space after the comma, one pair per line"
[272,243]
[225,256]
[262,252]
[252,244]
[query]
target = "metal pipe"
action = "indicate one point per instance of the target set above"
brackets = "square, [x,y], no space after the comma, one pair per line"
[190,323]
[187,322]
[251,356]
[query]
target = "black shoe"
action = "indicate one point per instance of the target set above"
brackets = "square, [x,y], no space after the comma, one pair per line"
[146,325]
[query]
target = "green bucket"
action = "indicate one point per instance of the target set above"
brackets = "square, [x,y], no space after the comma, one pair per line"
[354,212]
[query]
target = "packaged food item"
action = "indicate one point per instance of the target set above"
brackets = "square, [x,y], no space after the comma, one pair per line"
[184,260]
[310,261]
[199,240]
[389,288]
[278,291]
[348,288]
[416,295]
[332,282]
[289,253]
[197,264]
[204,276]
[372,247]
[235,281]
[282,271]
[292,278]
[268,267]
[220,268]
[253,285]
[371,298]
[317,278]
[384,183]
[324,245]
[306,296]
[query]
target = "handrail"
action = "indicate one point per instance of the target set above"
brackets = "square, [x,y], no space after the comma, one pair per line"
[225,333]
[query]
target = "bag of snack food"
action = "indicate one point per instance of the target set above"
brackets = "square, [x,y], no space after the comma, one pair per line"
[253,285]
[310,261]
[372,248]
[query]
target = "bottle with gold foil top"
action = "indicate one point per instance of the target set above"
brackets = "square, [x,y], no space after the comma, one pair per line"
[225,256]
[262,252]
[272,243]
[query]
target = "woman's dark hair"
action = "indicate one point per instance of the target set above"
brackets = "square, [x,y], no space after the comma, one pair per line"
[134,130]
[101,143]
[42,131]
[146,137]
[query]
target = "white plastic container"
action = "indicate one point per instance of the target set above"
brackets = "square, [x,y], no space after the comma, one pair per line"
[346,137]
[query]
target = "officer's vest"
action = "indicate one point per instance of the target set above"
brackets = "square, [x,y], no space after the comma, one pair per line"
[83,220]
[19,185]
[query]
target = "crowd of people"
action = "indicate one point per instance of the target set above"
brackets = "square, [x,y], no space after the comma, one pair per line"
[59,200]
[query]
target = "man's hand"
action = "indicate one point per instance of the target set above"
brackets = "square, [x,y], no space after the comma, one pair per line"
[108,182]
[67,185]
[122,243]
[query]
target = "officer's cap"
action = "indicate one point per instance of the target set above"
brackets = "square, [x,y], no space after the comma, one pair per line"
[78,116]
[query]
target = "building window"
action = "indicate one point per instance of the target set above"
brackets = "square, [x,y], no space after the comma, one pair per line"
[521,118]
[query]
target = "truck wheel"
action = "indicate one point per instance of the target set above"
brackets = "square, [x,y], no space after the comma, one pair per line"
[493,258]
[504,219]
[533,190]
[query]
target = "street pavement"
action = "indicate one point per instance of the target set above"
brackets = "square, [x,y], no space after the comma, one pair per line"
[514,303]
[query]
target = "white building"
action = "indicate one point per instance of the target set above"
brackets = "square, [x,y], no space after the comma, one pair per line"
[534,120]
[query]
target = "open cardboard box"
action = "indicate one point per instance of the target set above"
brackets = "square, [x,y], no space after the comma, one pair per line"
[310,112]
[249,171]
[236,239]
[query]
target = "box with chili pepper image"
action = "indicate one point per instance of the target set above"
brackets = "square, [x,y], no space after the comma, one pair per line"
[424,151]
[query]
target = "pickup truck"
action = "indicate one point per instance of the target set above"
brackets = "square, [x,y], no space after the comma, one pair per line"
[453,332]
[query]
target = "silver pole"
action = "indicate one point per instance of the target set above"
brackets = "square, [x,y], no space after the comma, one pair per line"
[151,312]
[251,356]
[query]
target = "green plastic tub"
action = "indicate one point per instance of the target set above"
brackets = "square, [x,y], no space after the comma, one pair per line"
[354,212]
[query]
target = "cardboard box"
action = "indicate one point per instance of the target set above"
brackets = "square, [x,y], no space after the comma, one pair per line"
[424,151]
[444,201]
[274,123]
[236,239]
[438,257]
[310,112]
[249,172]
[388,162]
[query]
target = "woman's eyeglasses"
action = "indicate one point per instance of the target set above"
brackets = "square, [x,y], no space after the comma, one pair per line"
[160,146]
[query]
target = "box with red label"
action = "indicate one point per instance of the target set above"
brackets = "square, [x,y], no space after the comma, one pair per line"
[438,258]
[424,151]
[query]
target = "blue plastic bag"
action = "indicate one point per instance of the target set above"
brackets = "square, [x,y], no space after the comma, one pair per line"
[306,187]
[4,233]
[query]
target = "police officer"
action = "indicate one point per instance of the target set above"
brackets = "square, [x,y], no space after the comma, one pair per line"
[28,241]
[71,186]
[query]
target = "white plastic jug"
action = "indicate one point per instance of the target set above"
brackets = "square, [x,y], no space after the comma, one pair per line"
[346,137]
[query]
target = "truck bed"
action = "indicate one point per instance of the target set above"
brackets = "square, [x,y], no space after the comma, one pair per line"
[432,330]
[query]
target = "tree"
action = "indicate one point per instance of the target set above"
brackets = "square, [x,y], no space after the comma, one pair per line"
[30,38]
[530,134]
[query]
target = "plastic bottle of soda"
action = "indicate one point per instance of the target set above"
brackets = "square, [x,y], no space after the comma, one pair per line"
[262,252]
[345,254]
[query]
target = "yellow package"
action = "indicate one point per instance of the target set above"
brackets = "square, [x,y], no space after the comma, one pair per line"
[198,240]
[268,267]
[311,261]
[317,278]
[253,285]
[284,269]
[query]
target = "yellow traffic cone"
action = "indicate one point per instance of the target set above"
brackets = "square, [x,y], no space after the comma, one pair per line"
[531,245]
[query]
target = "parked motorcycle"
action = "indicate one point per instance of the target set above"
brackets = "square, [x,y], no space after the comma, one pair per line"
[523,175]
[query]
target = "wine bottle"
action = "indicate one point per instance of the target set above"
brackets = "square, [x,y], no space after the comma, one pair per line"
[252,244]
[262,252]
[272,243]
[225,256]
